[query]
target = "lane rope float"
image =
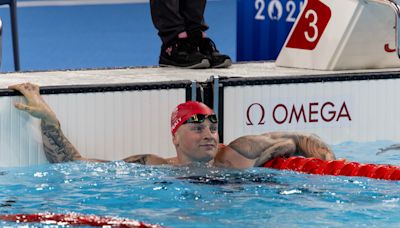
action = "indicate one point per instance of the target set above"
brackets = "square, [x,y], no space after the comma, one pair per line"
[75,220]
[335,167]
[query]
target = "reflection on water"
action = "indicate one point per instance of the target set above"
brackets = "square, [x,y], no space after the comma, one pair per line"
[203,196]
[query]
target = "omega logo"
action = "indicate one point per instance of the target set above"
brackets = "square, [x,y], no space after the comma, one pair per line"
[312,112]
[262,110]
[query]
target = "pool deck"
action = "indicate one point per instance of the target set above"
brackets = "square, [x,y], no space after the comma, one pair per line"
[157,74]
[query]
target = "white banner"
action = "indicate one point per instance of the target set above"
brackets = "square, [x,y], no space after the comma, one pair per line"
[363,110]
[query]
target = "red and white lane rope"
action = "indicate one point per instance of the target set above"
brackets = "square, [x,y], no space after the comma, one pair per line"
[335,167]
[75,220]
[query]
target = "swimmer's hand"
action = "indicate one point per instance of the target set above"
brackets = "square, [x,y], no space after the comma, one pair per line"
[35,105]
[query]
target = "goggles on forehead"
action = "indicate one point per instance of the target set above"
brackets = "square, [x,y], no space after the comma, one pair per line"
[200,118]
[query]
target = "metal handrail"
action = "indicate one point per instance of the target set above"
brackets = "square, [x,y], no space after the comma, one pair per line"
[396,7]
[1,41]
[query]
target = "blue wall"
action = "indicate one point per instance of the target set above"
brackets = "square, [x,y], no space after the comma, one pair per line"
[263,26]
[95,36]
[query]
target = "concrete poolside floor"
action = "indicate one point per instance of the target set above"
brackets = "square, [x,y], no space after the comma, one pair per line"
[158,74]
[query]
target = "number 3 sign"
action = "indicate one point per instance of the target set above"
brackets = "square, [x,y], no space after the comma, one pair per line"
[310,26]
[341,35]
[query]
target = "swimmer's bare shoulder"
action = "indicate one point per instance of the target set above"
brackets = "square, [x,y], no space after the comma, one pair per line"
[146,159]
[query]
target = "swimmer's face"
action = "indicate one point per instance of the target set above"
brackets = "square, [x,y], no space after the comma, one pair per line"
[197,141]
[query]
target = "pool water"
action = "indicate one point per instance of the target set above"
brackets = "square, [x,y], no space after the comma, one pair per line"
[199,196]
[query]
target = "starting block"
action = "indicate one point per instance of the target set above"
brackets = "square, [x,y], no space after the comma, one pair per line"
[343,35]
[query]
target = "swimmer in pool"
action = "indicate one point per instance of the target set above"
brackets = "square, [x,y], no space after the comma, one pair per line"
[194,128]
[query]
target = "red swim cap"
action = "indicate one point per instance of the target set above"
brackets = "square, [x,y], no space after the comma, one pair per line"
[185,110]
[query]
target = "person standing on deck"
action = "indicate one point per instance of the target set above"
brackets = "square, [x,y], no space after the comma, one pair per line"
[181,27]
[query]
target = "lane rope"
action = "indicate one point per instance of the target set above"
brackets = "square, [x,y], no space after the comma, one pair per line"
[335,167]
[75,220]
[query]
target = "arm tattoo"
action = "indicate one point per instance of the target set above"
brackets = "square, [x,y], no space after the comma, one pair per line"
[139,159]
[285,149]
[57,147]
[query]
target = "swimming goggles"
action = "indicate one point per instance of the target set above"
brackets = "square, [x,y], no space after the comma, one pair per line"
[200,118]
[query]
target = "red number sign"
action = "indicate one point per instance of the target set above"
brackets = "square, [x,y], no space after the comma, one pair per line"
[311,26]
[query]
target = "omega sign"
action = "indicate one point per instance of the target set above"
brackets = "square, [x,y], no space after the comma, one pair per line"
[311,112]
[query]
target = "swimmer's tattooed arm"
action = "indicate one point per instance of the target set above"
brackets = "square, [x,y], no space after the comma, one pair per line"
[146,159]
[57,147]
[139,159]
[261,148]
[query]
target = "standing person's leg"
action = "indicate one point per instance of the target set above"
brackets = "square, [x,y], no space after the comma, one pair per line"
[176,49]
[192,12]
[167,19]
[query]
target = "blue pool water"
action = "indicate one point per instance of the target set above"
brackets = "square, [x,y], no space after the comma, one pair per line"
[198,197]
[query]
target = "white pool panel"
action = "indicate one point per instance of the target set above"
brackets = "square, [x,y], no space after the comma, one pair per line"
[110,125]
